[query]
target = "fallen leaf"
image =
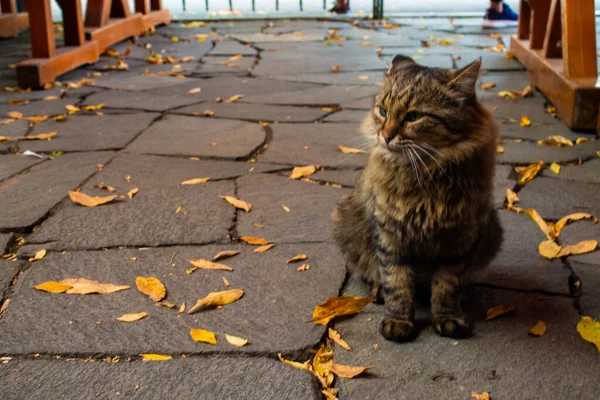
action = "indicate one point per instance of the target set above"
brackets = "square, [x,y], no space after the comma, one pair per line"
[225,281]
[38,255]
[155,357]
[299,257]
[511,198]
[581,140]
[322,365]
[88,286]
[194,90]
[109,188]
[47,98]
[151,287]
[336,68]
[300,172]
[339,306]
[166,304]
[14,115]
[132,192]
[225,254]
[543,225]
[497,311]
[330,393]
[178,210]
[349,371]
[237,203]
[72,109]
[234,98]
[236,341]
[205,264]
[234,58]
[525,122]
[254,240]
[89,201]
[500,149]
[195,181]
[208,113]
[336,337]
[488,85]
[556,141]
[539,329]
[132,317]
[558,226]
[349,150]
[18,101]
[585,246]
[480,396]
[182,308]
[93,107]
[589,330]
[362,77]
[215,299]
[554,167]
[285,208]
[303,267]
[262,249]
[507,94]
[52,287]
[552,111]
[200,335]
[6,139]
[530,172]
[549,249]
[303,366]
[41,136]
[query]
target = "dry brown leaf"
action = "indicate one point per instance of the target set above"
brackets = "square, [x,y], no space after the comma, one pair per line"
[298,257]
[38,255]
[195,181]
[507,94]
[151,287]
[109,188]
[155,357]
[285,208]
[572,218]
[225,254]
[166,304]
[254,240]
[339,306]
[301,172]
[349,371]
[543,225]
[488,85]
[525,122]
[215,299]
[233,98]
[52,287]
[178,210]
[132,192]
[585,246]
[88,286]
[336,337]
[349,150]
[6,139]
[182,308]
[552,111]
[194,91]
[72,109]
[132,317]
[549,249]
[480,396]
[303,267]
[581,140]
[303,366]
[589,330]
[225,281]
[89,201]
[497,311]
[529,172]
[237,203]
[93,107]
[14,115]
[205,264]
[236,341]
[556,141]
[262,249]
[511,198]
[47,98]
[18,102]
[362,77]
[208,113]
[200,335]
[41,136]
[539,329]
[336,68]
[322,365]
[330,393]
[234,58]
[500,149]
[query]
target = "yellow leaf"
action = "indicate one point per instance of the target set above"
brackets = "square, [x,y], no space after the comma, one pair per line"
[507,95]
[338,306]
[14,115]
[215,299]
[205,264]
[572,218]
[262,249]
[89,201]
[200,335]
[300,172]
[589,329]
[349,371]
[155,357]
[52,287]
[151,287]
[303,366]
[38,256]
[88,286]
[530,172]
[41,136]
[552,111]
[225,254]
[527,92]
[554,167]
[330,393]
[195,181]
[322,365]
[37,119]
[72,109]
[234,58]
[543,225]
[166,304]
[549,249]
[285,208]
[182,308]
[234,98]
[299,257]
[336,68]
[539,329]
[581,140]
[556,141]
[236,341]
[585,246]
[93,107]
[237,203]
[225,281]
[511,198]
[104,186]
[480,396]
[336,337]
[208,113]
[132,317]
[60,118]
[349,150]
[500,149]
[488,85]
[194,90]
[132,192]
[497,311]
[303,267]
[254,240]
[362,77]
[5,139]
[178,210]
[51,98]
[525,122]
[111,52]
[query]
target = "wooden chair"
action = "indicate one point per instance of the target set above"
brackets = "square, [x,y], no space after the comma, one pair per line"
[11,21]
[556,42]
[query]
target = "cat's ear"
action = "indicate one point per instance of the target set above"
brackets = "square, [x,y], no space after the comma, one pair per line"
[400,61]
[466,78]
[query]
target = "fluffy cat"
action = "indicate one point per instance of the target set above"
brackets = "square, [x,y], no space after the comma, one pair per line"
[421,214]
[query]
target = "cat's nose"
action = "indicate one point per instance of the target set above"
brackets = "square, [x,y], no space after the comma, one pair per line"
[388,134]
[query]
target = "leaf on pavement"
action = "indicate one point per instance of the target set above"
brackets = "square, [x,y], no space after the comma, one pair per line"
[132,317]
[89,201]
[500,149]
[301,172]
[581,140]
[14,115]
[236,341]
[567,219]
[480,396]
[194,90]
[132,192]
[589,329]
[234,58]
[155,357]
[488,85]
[233,98]
[336,68]
[529,172]
[549,249]
[88,286]
[208,113]
[166,304]
[303,366]
[322,365]
[254,240]
[585,246]
[215,299]
[556,141]
[200,335]
[225,254]
[349,150]
[525,122]
[298,257]
[339,306]
[182,308]
[543,225]
[151,287]
[349,371]
[330,393]
[237,203]
[303,267]
[336,337]
[539,329]
[93,107]
[6,139]
[41,136]
[195,181]
[109,188]
[285,208]
[225,281]
[38,255]
[52,287]
[262,249]
[527,92]
[554,167]
[205,264]
[507,94]
[497,311]
[511,199]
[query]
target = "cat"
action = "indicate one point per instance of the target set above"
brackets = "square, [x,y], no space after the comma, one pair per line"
[421,214]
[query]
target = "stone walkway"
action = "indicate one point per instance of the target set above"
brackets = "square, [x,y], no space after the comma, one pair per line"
[152,134]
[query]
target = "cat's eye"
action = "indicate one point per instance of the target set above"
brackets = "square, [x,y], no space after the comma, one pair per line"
[413,116]
[382,112]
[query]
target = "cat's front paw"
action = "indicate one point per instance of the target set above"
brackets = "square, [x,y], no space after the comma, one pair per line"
[452,326]
[397,330]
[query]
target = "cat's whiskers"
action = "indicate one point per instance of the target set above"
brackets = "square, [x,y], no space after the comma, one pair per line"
[432,157]
[421,161]
[415,168]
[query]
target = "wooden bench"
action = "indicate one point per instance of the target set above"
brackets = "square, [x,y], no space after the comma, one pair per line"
[11,21]
[556,42]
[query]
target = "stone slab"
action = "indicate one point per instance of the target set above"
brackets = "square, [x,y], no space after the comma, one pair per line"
[255,112]
[5,238]
[322,140]
[12,130]
[133,81]
[310,207]
[340,78]
[578,231]
[6,96]
[328,95]
[158,102]
[221,378]
[8,270]
[476,41]
[366,103]
[528,153]
[203,137]
[12,164]
[347,116]
[589,171]
[178,49]
[341,177]
[432,61]
[532,107]
[89,133]
[203,218]
[44,186]
[590,298]
[504,178]
[210,66]
[490,61]
[232,48]
[38,108]
[259,37]
[272,314]
[509,80]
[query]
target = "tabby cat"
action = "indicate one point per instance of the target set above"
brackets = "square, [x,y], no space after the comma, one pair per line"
[421,216]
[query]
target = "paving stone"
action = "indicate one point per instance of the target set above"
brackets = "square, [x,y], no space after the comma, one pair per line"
[554,198]
[221,378]
[44,186]
[582,230]
[5,239]
[432,61]
[528,153]
[239,67]
[490,61]
[136,51]
[273,291]
[538,131]
[504,179]
[8,270]
[192,136]
[224,27]
[283,26]
[86,133]
[141,100]
[133,81]
[347,116]
[477,41]
[323,140]
[589,171]
[35,108]
[310,204]
[385,40]
[340,177]
[341,78]
[181,49]
[366,103]
[232,48]
[267,38]
[426,51]
[327,95]
[509,80]
[590,298]
[105,63]
[5,96]
[203,218]
[256,112]
[11,164]
[464,30]
[501,352]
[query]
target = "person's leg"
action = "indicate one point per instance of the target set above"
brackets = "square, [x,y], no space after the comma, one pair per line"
[499,14]
[496,5]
